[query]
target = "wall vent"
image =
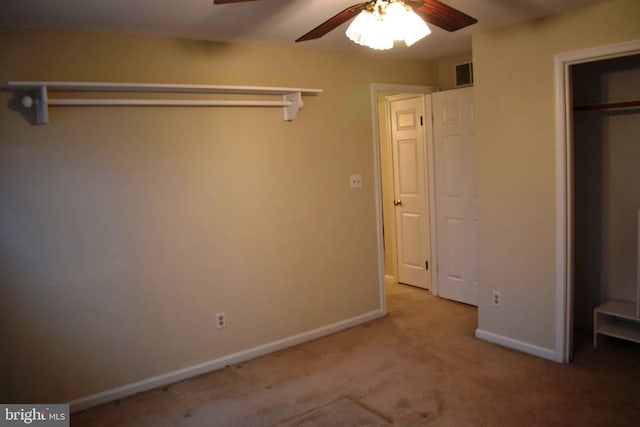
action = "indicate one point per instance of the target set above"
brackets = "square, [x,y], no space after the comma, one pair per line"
[464,74]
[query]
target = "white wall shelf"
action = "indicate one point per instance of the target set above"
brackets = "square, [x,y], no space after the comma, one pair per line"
[37,96]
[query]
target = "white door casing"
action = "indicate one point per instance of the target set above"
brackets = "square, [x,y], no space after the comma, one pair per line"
[376,90]
[564,182]
[456,194]
[411,194]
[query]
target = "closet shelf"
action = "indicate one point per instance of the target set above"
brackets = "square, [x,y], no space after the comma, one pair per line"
[621,309]
[625,332]
[616,319]
[619,319]
[607,106]
[38,95]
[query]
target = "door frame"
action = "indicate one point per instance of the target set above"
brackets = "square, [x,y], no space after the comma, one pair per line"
[375,88]
[564,182]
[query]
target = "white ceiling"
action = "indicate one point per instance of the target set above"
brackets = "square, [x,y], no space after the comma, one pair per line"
[272,21]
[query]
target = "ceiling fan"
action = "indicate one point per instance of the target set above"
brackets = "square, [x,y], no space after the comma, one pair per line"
[432,11]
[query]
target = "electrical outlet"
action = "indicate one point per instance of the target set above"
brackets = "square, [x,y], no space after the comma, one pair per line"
[497,298]
[221,320]
[356,180]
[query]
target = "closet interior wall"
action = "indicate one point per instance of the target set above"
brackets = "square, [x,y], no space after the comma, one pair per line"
[606,185]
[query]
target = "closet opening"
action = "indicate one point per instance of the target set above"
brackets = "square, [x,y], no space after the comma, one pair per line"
[604,213]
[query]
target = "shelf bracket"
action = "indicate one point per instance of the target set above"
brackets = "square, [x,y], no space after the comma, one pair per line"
[38,99]
[291,111]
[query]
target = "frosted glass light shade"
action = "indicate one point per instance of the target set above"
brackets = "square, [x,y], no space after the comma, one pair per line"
[415,28]
[394,19]
[388,21]
[368,29]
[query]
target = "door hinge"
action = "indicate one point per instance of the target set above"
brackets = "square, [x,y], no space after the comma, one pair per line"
[426,265]
[421,121]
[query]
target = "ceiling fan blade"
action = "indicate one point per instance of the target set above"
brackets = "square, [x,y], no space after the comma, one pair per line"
[443,16]
[230,1]
[333,22]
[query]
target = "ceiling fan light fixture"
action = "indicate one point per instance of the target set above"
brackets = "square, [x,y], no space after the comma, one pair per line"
[368,29]
[384,21]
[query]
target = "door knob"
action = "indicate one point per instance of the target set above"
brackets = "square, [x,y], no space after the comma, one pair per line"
[397,202]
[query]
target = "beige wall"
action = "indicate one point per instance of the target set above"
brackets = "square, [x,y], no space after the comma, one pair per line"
[447,70]
[124,230]
[514,90]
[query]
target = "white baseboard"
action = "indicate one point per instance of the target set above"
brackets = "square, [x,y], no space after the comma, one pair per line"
[525,347]
[212,365]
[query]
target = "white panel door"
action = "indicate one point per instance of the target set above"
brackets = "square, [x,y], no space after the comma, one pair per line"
[410,189]
[456,195]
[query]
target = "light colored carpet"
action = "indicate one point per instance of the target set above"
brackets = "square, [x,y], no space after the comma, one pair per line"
[344,412]
[420,365]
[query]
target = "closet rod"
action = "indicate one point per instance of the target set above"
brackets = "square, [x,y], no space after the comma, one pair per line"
[607,106]
[165,102]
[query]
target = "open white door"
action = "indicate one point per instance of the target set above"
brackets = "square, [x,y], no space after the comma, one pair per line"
[456,195]
[413,237]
